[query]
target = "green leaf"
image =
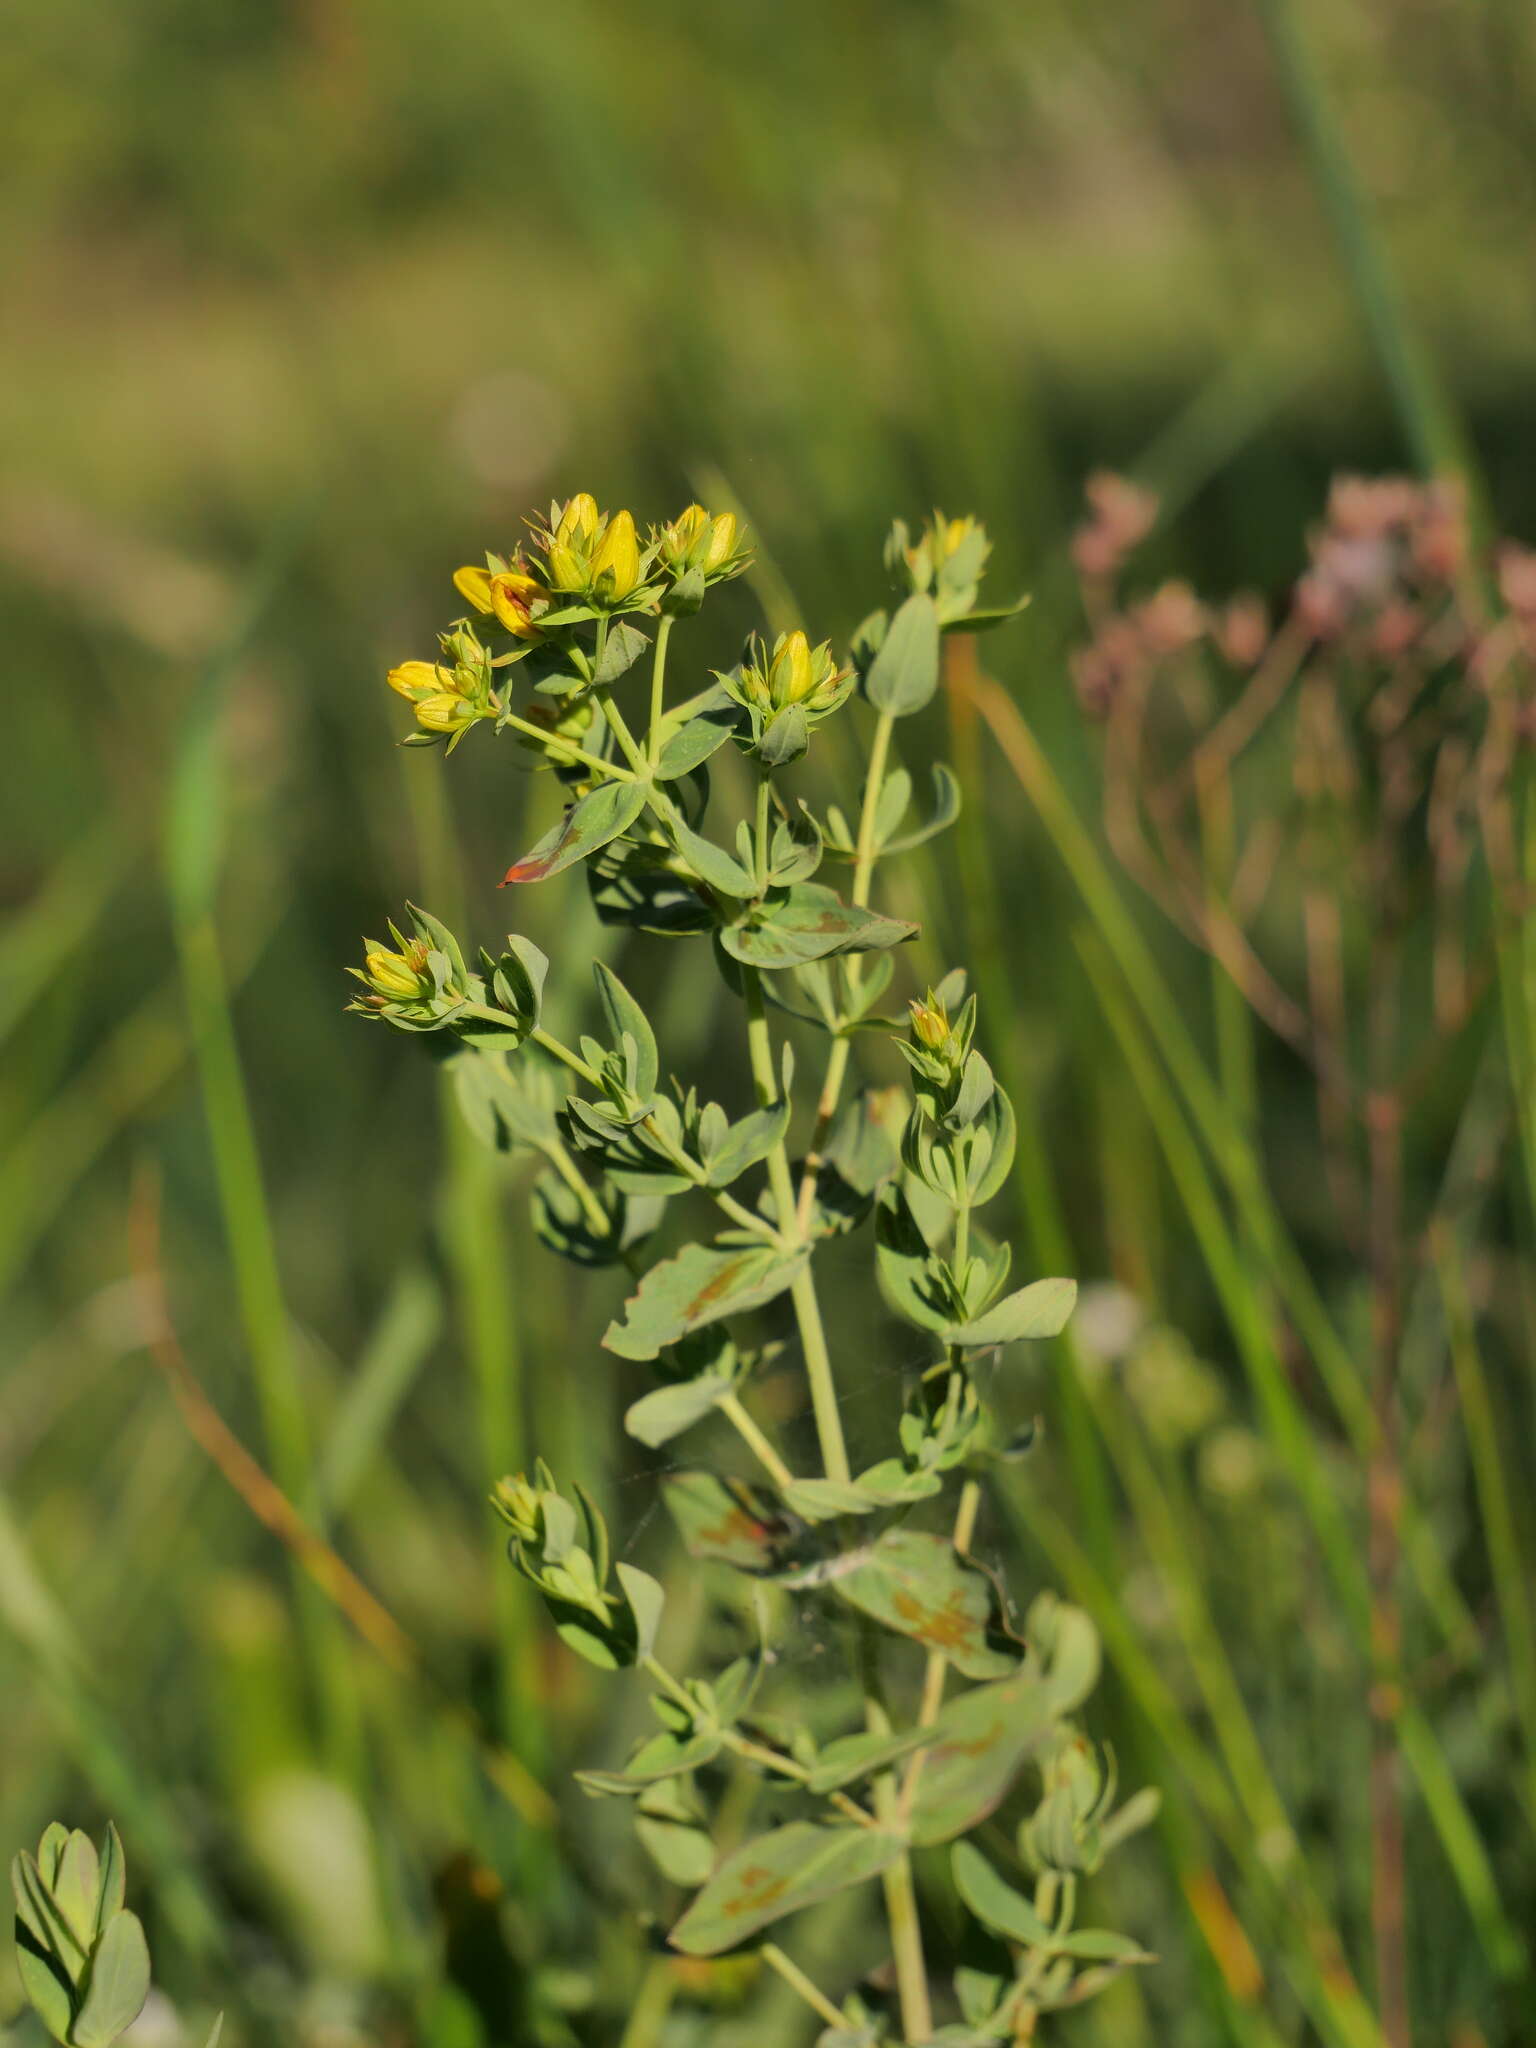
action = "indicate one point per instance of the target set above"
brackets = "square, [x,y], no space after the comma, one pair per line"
[702,728]
[995,1904]
[666,1412]
[753,1138]
[623,1015]
[905,672]
[731,1523]
[1039,1310]
[113,1885]
[1098,1945]
[602,814]
[646,1601]
[823,1500]
[43,1941]
[809,922]
[76,1886]
[720,870]
[503,1105]
[918,1585]
[117,1986]
[911,1274]
[676,1843]
[781,1872]
[984,619]
[700,1285]
[621,650]
[984,1738]
[38,1912]
[657,1759]
[44,1982]
[946,808]
[635,885]
[853,1757]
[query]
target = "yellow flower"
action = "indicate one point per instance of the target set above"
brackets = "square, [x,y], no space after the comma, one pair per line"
[399,977]
[417,679]
[930,1022]
[722,540]
[799,673]
[578,520]
[508,594]
[695,540]
[679,539]
[444,713]
[615,568]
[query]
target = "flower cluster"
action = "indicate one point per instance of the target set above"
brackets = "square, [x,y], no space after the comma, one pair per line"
[582,571]
[786,691]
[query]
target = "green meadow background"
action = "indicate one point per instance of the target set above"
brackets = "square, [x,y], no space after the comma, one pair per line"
[304,305]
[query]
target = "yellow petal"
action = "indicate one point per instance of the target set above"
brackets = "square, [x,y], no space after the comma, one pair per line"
[413,678]
[443,713]
[722,540]
[578,518]
[475,584]
[616,565]
[511,595]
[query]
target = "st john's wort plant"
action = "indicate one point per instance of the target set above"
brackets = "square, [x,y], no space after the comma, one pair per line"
[550,656]
[80,1952]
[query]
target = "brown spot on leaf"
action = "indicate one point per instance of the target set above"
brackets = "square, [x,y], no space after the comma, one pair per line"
[759,1887]
[950,1627]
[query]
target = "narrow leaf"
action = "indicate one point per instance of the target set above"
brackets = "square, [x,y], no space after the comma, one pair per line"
[602,814]
[779,1873]
[1039,1310]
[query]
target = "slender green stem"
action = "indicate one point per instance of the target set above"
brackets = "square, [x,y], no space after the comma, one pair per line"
[938,1664]
[653,2002]
[802,1294]
[658,690]
[864,845]
[756,1442]
[559,1157]
[859,888]
[562,1052]
[629,746]
[797,1980]
[555,743]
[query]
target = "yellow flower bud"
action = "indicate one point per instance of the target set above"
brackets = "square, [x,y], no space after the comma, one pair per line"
[416,679]
[930,1022]
[399,977]
[680,538]
[722,540]
[443,713]
[566,571]
[789,677]
[616,564]
[578,519]
[518,1505]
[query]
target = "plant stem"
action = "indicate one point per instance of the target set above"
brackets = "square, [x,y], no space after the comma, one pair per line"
[938,1663]
[757,1442]
[653,2001]
[858,893]
[813,1336]
[554,743]
[618,725]
[797,1980]
[658,689]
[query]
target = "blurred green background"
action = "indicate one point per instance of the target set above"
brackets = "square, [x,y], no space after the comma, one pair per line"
[305,305]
